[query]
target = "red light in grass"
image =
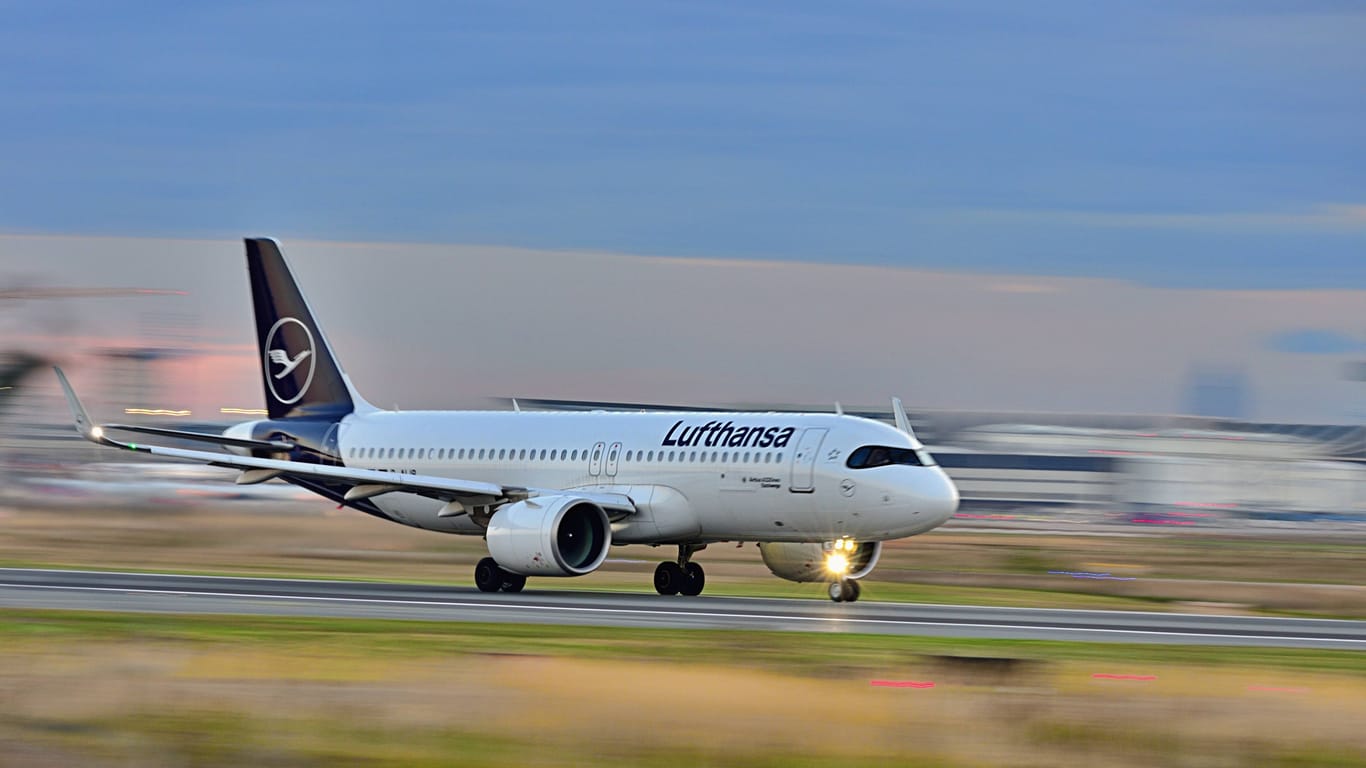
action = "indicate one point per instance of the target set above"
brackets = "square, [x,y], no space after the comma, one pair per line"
[900,684]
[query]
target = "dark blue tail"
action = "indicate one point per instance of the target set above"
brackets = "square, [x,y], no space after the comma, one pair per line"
[301,377]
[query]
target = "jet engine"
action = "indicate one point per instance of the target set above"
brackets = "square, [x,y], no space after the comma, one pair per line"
[549,536]
[808,562]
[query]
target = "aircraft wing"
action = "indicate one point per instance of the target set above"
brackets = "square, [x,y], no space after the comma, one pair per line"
[180,434]
[364,483]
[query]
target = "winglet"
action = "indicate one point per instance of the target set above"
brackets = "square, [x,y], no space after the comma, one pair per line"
[87,429]
[899,415]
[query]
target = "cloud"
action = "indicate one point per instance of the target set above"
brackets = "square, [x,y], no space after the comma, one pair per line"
[1315,341]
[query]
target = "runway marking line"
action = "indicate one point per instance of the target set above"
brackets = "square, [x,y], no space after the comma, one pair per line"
[696,614]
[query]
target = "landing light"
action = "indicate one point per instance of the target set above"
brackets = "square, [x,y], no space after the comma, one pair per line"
[97,432]
[836,564]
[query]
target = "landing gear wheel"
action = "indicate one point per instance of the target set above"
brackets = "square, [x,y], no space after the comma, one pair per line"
[488,576]
[845,591]
[669,578]
[513,582]
[696,580]
[852,590]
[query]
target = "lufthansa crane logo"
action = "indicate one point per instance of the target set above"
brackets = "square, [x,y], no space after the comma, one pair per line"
[289,360]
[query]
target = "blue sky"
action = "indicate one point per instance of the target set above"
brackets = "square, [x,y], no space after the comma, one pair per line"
[1189,144]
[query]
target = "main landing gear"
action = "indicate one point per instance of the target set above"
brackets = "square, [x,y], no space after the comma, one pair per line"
[489,577]
[683,577]
[844,591]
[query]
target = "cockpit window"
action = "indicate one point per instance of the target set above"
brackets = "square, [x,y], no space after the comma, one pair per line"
[870,456]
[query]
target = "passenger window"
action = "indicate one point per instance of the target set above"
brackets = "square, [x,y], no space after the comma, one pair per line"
[725,457]
[746,457]
[522,456]
[693,457]
[502,453]
[650,456]
[671,455]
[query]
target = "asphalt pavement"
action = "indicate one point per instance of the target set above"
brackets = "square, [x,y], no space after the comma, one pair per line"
[166,593]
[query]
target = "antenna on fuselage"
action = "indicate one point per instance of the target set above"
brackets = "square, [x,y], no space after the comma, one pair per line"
[839,409]
[515,407]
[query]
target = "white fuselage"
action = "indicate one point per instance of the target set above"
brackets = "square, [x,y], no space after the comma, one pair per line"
[694,477]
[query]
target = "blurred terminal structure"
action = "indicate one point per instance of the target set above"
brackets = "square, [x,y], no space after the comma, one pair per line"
[1086,468]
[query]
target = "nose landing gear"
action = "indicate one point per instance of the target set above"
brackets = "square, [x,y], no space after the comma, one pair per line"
[844,591]
[837,565]
[683,577]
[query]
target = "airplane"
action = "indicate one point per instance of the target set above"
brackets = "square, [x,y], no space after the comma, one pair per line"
[551,491]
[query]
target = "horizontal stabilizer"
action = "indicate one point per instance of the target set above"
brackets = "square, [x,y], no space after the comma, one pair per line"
[180,434]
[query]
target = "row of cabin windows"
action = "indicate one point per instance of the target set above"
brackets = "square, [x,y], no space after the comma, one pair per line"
[442,454]
[503,454]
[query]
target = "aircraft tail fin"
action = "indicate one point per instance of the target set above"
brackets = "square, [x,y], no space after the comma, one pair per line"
[300,374]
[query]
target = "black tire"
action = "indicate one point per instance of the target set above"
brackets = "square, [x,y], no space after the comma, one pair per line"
[488,577]
[513,582]
[669,578]
[837,591]
[852,591]
[695,580]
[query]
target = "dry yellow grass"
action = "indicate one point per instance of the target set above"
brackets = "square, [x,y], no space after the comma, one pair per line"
[159,702]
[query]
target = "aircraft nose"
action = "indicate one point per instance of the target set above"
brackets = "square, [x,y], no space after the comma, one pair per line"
[937,496]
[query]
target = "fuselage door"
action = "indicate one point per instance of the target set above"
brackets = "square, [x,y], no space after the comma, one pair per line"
[804,460]
[595,460]
[613,454]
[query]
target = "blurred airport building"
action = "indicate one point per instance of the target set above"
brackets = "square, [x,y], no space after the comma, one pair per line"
[1162,470]
[1085,468]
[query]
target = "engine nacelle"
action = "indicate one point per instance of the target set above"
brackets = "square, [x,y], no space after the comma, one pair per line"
[806,562]
[550,536]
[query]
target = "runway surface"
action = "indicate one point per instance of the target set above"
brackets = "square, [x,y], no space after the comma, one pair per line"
[157,593]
